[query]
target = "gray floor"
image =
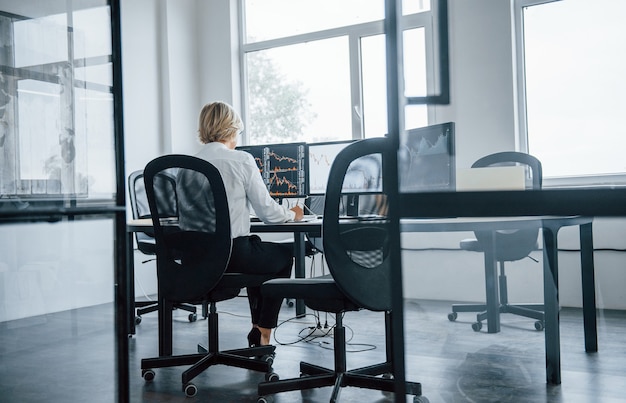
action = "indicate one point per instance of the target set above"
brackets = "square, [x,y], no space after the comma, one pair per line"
[69,357]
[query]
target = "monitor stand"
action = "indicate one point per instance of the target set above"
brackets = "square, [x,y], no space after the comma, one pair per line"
[352,206]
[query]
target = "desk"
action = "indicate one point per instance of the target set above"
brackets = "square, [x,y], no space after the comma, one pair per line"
[550,228]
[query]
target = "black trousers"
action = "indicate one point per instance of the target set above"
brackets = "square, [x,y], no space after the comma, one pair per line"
[251,255]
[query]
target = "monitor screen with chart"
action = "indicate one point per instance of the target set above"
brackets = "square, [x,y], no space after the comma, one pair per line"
[364,175]
[321,157]
[426,159]
[283,168]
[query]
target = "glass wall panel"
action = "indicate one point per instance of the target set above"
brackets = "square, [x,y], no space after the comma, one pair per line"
[56,103]
[58,201]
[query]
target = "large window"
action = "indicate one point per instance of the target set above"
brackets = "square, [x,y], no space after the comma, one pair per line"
[315,70]
[573,89]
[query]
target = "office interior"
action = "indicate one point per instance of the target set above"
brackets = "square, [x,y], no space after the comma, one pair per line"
[179,54]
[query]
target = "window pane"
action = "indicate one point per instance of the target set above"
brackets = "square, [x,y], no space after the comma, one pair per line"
[414,57]
[270,19]
[299,93]
[91,32]
[576,93]
[374,81]
[415,6]
[40,41]
[373,72]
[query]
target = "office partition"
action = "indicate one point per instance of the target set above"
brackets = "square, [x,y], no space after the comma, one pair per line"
[62,199]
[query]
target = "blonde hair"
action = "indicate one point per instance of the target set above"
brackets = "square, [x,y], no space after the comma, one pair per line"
[218,122]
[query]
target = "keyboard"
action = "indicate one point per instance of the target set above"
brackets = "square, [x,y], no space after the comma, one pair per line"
[306,217]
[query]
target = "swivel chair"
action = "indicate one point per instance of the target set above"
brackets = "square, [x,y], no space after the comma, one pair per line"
[509,245]
[357,256]
[193,249]
[145,240]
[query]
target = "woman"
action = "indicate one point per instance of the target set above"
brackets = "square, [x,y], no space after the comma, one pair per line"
[219,127]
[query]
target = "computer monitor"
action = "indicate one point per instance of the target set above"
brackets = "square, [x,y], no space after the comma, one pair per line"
[363,177]
[426,159]
[283,168]
[321,157]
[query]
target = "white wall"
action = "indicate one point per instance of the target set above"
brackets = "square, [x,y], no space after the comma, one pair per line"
[166,82]
[481,75]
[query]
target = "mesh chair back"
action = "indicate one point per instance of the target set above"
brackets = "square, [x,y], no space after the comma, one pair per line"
[165,183]
[356,250]
[515,244]
[193,241]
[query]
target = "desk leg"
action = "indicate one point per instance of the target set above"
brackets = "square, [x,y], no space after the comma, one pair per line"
[298,252]
[551,304]
[588,288]
[491,286]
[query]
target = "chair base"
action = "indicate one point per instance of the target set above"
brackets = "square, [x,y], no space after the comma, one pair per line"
[252,358]
[314,376]
[533,311]
[143,307]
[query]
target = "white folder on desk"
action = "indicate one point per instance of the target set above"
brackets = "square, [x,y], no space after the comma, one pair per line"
[491,178]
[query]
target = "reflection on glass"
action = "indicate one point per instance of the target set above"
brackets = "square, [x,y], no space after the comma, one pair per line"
[56,104]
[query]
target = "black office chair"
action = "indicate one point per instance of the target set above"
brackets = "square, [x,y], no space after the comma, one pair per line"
[356,253]
[145,240]
[193,250]
[509,245]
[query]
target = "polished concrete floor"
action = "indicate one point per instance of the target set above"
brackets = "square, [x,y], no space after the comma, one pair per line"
[69,357]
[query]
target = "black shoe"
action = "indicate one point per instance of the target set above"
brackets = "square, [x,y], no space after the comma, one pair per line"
[254,337]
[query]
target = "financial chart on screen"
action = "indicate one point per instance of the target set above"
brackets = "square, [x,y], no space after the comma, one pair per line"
[321,157]
[426,159]
[364,175]
[283,168]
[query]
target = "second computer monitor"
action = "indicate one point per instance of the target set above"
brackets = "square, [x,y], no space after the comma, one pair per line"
[364,175]
[321,157]
[426,160]
[283,168]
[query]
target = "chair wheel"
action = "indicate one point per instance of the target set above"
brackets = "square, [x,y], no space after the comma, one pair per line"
[147,374]
[269,358]
[477,326]
[289,303]
[137,320]
[420,399]
[193,317]
[452,316]
[190,390]
[539,325]
[271,377]
[265,399]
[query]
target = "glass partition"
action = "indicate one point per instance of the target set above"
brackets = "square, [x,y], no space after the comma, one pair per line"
[62,238]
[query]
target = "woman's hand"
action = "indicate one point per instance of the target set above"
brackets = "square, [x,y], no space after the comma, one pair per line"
[299,213]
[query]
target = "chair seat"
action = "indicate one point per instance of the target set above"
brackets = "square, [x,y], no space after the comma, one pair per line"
[319,293]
